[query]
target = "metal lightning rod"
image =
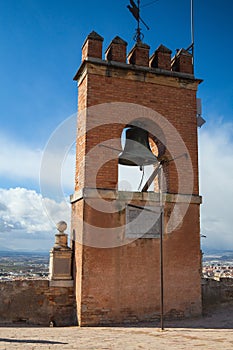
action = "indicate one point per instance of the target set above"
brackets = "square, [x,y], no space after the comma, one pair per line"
[191,47]
[192,27]
[160,178]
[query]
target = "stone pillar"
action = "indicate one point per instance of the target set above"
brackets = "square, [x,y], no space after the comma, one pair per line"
[60,259]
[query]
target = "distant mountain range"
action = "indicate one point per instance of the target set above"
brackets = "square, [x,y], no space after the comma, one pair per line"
[5,249]
[217,251]
[217,254]
[11,252]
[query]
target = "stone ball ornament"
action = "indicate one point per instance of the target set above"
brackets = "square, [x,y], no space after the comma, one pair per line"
[61,226]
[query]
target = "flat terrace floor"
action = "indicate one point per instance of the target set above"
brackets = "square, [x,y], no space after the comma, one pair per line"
[212,331]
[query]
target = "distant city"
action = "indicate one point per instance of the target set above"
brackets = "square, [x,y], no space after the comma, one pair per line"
[23,265]
[216,264]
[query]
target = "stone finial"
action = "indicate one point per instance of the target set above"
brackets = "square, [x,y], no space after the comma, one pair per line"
[61,237]
[182,62]
[161,58]
[116,51]
[92,46]
[139,55]
[61,226]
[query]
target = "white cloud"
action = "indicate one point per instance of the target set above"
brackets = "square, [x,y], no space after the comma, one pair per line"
[24,213]
[216,180]
[18,160]
[21,162]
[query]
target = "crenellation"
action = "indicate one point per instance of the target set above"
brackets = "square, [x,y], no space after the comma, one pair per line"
[92,46]
[161,58]
[138,55]
[116,51]
[182,62]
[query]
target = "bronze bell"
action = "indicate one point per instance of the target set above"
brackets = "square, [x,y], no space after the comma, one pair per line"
[137,150]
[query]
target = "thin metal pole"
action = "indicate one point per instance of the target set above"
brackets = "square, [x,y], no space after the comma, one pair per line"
[161,253]
[161,273]
[192,28]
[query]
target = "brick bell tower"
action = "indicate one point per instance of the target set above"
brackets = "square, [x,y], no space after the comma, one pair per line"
[116,233]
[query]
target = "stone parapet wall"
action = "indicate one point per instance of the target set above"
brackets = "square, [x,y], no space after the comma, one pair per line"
[216,292]
[35,302]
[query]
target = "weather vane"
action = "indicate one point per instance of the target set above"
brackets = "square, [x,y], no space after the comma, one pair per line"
[135,10]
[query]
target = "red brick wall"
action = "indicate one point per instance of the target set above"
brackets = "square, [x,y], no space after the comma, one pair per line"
[177,105]
[122,284]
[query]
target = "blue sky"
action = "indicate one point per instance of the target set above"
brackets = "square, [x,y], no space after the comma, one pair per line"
[40,52]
